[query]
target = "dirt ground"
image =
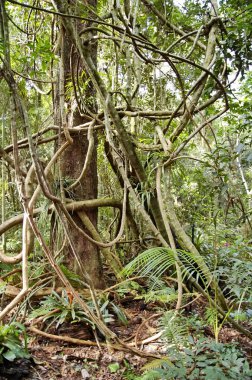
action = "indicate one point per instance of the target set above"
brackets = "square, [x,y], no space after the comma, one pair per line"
[53,360]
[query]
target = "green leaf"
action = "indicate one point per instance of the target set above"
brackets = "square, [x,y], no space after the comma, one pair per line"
[114,367]
[9,355]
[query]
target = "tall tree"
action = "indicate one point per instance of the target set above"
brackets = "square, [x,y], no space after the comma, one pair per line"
[74,105]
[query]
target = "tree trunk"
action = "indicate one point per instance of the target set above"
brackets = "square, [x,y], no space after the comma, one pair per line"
[74,156]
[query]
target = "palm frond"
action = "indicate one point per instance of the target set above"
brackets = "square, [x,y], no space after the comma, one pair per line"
[194,266]
[152,262]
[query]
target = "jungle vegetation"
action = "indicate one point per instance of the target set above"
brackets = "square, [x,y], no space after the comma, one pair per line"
[126,160]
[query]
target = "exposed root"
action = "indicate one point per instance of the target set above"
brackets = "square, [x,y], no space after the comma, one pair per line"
[120,346]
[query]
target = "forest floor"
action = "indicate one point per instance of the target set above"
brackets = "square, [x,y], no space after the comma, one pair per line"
[53,360]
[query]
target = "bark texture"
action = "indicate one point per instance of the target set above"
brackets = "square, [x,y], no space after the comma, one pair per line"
[74,157]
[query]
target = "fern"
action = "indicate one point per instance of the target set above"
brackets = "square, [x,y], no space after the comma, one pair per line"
[157,283]
[155,369]
[204,360]
[163,295]
[211,315]
[175,331]
[153,375]
[157,363]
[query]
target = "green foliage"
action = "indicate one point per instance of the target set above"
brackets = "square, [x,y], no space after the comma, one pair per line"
[204,360]
[130,287]
[163,295]
[11,347]
[3,287]
[207,192]
[114,367]
[234,269]
[71,276]
[155,262]
[60,308]
[123,370]
[211,315]
[158,363]
[237,47]
[175,331]
[130,375]
[104,306]
[213,319]
[119,313]
[195,358]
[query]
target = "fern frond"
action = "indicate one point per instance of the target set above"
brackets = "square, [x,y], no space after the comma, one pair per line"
[157,283]
[163,295]
[174,331]
[211,315]
[157,363]
[152,375]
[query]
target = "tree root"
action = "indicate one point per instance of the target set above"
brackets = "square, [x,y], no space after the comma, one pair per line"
[120,346]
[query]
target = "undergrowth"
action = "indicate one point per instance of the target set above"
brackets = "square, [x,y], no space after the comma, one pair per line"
[11,345]
[58,309]
[201,360]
